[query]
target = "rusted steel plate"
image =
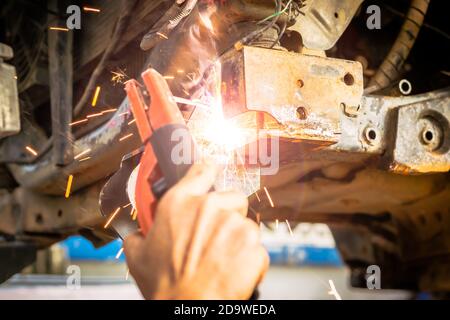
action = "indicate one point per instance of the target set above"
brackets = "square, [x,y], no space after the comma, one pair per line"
[303,93]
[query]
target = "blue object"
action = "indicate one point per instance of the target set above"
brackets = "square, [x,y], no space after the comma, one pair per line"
[79,248]
[302,255]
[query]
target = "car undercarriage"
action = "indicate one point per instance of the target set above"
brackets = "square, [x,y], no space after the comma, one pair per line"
[361,113]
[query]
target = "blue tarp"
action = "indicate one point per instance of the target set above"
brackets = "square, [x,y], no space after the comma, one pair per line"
[304,255]
[78,248]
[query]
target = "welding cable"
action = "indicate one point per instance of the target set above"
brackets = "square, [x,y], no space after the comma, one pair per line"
[253,35]
[277,13]
[283,29]
[392,64]
[294,8]
[122,24]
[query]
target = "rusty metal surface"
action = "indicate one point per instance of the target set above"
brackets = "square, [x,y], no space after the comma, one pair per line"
[179,51]
[27,212]
[396,126]
[12,149]
[378,113]
[60,66]
[422,141]
[106,151]
[326,186]
[303,93]
[325,21]
[9,99]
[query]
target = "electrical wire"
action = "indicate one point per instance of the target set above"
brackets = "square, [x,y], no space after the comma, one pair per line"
[255,34]
[293,13]
[278,13]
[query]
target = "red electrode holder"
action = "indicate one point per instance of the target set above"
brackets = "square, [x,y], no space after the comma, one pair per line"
[156,123]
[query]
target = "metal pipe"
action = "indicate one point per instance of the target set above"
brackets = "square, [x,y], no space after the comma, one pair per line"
[60,58]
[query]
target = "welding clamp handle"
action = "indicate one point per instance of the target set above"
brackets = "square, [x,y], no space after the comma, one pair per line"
[174,149]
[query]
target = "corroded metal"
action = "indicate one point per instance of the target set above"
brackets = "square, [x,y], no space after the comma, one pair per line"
[9,99]
[106,151]
[412,133]
[303,93]
[325,21]
[422,141]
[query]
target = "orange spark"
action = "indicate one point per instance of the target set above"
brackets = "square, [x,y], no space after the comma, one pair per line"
[59,29]
[89,9]
[113,215]
[289,227]
[109,110]
[31,150]
[94,99]
[132,121]
[268,197]
[84,159]
[69,186]
[127,274]
[78,122]
[125,206]
[93,115]
[257,196]
[125,137]
[162,35]
[82,154]
[124,113]
[190,76]
[169,77]
[118,76]
[134,215]
[119,253]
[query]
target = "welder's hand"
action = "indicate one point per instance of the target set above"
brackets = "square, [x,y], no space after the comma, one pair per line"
[201,245]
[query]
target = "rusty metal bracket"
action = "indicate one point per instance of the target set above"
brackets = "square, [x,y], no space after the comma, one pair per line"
[304,93]
[422,141]
[324,22]
[411,132]
[9,99]
[25,212]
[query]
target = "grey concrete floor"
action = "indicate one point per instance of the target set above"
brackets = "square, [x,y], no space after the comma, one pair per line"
[108,282]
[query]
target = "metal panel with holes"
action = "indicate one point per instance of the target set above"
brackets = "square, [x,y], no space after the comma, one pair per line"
[9,100]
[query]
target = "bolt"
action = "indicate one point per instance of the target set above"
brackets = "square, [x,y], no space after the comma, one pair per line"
[301,113]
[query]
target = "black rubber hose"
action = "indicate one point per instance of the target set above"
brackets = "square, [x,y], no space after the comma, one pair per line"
[392,64]
[255,34]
